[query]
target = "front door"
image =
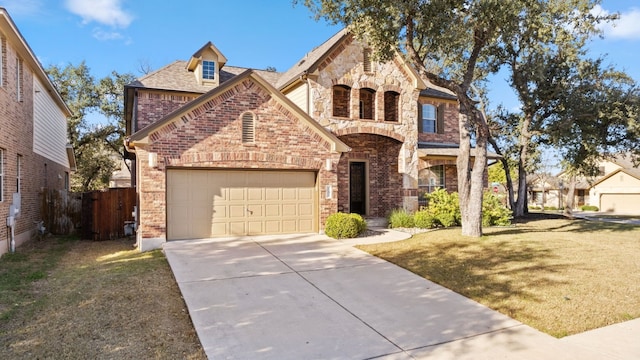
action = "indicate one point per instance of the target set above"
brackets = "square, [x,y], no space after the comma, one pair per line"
[357,188]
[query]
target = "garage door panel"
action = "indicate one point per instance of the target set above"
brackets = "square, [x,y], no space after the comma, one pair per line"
[289,210]
[305,225]
[238,202]
[620,203]
[237,211]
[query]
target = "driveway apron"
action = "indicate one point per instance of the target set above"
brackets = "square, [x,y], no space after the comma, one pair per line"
[312,297]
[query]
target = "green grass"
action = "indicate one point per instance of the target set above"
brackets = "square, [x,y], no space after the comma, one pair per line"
[559,276]
[29,264]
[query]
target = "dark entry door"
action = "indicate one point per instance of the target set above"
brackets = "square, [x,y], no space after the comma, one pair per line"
[357,188]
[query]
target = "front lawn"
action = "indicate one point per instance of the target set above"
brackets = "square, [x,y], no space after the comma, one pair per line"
[559,276]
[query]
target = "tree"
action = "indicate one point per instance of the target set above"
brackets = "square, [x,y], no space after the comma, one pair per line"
[452,44]
[95,145]
[542,60]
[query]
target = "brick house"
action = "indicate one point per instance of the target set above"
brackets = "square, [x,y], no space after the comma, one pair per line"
[34,152]
[222,150]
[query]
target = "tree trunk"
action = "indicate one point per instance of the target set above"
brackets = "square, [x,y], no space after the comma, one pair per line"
[570,202]
[523,156]
[471,182]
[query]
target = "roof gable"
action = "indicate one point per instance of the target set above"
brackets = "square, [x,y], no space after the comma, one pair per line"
[322,54]
[198,55]
[210,99]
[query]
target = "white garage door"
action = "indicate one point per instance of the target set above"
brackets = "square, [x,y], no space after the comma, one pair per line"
[209,203]
[621,203]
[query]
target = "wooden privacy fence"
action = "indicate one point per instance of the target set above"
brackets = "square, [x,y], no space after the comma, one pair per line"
[105,213]
[97,215]
[61,211]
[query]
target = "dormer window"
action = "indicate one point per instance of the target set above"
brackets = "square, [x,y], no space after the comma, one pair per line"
[208,70]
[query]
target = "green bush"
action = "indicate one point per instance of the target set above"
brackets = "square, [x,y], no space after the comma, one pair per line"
[589,208]
[424,219]
[444,207]
[400,218]
[362,225]
[344,226]
[494,212]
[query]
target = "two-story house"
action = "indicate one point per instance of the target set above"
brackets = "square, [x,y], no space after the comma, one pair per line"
[34,151]
[222,150]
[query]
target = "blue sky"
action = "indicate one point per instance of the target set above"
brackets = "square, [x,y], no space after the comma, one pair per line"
[123,34]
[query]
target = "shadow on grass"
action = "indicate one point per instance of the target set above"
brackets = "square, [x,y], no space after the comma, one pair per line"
[557,223]
[497,273]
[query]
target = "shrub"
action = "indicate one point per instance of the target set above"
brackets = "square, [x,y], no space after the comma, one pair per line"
[344,226]
[494,212]
[444,207]
[589,208]
[362,225]
[424,219]
[400,218]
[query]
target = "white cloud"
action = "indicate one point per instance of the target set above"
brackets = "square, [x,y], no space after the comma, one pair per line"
[626,27]
[107,12]
[102,35]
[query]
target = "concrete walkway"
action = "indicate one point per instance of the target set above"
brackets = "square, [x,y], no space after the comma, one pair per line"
[312,297]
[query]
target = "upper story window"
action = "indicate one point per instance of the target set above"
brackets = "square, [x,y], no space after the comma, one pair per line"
[428,119]
[431,119]
[391,102]
[3,59]
[208,70]
[19,74]
[367,103]
[341,101]
[248,128]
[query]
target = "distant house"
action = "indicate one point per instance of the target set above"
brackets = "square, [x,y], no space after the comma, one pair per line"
[222,150]
[34,152]
[615,189]
[618,190]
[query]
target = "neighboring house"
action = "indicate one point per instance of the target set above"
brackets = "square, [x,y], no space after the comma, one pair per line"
[222,150]
[615,189]
[121,177]
[618,190]
[34,153]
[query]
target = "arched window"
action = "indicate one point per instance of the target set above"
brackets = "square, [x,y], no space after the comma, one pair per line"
[391,99]
[341,100]
[367,103]
[248,127]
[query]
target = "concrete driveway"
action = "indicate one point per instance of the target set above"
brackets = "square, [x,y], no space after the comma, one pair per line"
[312,297]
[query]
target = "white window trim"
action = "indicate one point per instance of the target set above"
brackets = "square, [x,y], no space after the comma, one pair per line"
[434,119]
[19,80]
[213,71]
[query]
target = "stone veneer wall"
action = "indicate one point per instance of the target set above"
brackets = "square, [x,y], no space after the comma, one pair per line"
[210,137]
[345,67]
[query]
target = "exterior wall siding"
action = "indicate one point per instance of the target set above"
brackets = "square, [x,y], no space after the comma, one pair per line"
[49,127]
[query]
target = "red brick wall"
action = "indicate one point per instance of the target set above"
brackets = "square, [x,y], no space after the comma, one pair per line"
[211,138]
[451,131]
[384,181]
[154,105]
[16,138]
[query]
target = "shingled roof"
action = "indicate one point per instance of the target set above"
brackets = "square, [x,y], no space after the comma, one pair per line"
[176,77]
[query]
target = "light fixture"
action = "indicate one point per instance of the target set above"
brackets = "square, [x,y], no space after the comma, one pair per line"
[153,160]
